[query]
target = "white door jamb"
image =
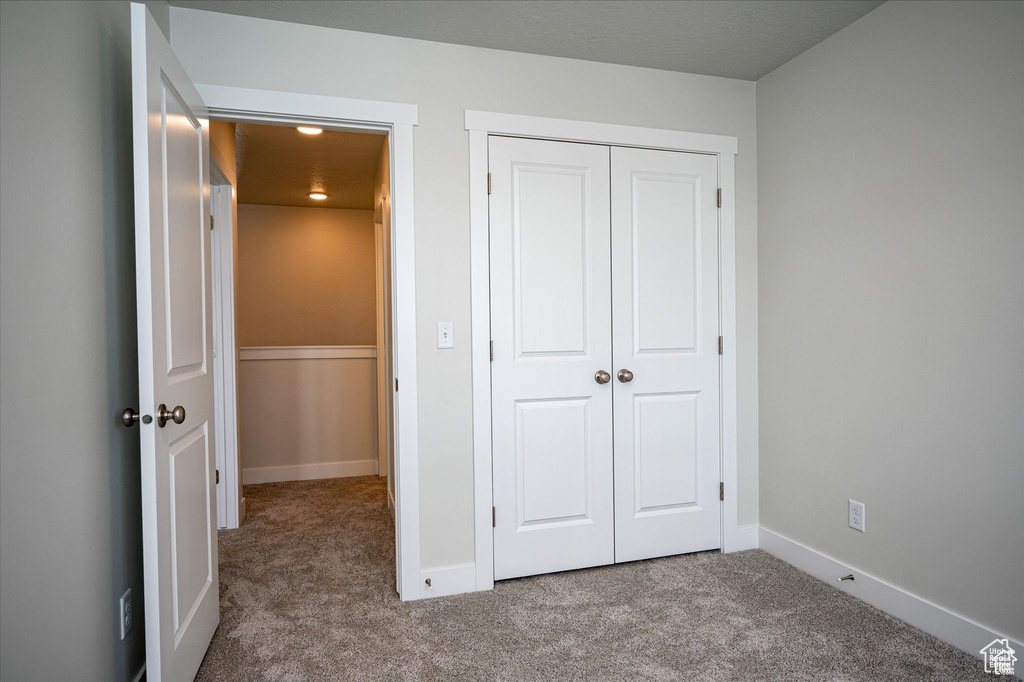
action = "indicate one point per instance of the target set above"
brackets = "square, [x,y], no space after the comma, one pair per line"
[230,504]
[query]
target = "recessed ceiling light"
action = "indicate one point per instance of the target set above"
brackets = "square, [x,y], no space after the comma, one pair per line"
[319,196]
[310,130]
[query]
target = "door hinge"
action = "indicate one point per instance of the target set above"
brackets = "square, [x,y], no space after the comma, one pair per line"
[494,518]
[719,198]
[721,346]
[211,221]
[217,479]
[492,351]
[721,491]
[488,183]
[396,384]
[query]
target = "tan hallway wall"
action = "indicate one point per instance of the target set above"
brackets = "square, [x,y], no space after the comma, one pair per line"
[306,277]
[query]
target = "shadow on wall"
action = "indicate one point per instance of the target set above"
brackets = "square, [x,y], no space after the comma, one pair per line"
[126,568]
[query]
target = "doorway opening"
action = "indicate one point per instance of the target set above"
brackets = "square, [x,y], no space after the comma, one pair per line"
[302,255]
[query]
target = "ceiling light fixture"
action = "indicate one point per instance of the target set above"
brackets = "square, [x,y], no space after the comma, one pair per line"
[310,130]
[319,196]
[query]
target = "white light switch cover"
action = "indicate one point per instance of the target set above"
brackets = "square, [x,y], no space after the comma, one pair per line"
[445,339]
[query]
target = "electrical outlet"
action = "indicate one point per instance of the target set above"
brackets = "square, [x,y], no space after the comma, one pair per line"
[126,613]
[857,515]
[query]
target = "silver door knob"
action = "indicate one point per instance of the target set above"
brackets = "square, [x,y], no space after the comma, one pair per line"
[130,416]
[602,377]
[177,415]
[625,376]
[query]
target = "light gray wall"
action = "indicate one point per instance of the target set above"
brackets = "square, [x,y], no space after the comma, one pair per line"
[891,246]
[444,80]
[70,509]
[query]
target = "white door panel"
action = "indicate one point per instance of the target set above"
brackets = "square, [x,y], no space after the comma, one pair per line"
[665,301]
[172,241]
[551,328]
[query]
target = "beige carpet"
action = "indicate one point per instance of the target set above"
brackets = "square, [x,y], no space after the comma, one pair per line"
[307,593]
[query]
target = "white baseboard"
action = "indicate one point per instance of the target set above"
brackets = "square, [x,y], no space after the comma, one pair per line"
[140,674]
[307,472]
[391,502]
[950,627]
[448,580]
[747,537]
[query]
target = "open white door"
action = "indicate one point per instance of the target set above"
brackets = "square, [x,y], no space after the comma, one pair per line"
[172,246]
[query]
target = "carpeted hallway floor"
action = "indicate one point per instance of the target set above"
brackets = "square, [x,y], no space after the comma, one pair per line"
[307,593]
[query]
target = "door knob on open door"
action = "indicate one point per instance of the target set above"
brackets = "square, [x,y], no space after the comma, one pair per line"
[625,376]
[177,415]
[602,377]
[130,416]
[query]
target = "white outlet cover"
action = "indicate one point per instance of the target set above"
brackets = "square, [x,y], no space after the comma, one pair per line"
[125,612]
[857,516]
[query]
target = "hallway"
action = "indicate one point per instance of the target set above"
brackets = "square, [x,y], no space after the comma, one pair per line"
[307,593]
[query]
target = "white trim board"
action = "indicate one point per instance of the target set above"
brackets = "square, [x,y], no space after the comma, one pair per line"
[480,124]
[600,133]
[292,107]
[225,365]
[950,627]
[448,580]
[309,472]
[306,352]
[397,121]
[747,537]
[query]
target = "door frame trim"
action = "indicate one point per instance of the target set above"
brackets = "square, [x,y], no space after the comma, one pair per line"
[225,363]
[480,124]
[397,121]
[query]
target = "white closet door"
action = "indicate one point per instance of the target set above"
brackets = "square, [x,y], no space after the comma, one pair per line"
[551,329]
[665,301]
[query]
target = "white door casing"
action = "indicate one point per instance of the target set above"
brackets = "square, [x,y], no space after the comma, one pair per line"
[551,327]
[172,241]
[481,126]
[665,332]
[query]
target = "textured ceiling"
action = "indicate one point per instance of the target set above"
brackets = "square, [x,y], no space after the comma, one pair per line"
[743,39]
[280,166]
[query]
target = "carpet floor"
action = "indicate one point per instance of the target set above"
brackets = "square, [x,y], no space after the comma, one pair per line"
[307,593]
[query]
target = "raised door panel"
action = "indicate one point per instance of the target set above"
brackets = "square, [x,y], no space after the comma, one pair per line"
[552,460]
[550,236]
[666,273]
[191,526]
[184,235]
[665,452]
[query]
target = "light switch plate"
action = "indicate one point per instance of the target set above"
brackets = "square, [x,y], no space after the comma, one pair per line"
[445,339]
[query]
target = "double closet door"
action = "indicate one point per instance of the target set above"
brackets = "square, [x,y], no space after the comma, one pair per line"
[605,373]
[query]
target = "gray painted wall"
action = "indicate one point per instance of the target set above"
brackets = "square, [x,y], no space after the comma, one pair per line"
[891,301]
[444,81]
[70,509]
